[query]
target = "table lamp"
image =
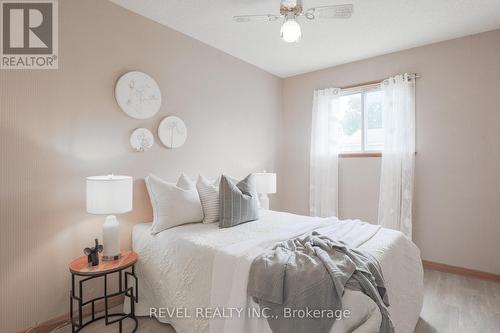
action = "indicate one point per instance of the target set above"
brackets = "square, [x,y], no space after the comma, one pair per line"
[109,195]
[266,184]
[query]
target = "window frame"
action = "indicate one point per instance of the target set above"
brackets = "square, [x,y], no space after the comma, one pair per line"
[363,90]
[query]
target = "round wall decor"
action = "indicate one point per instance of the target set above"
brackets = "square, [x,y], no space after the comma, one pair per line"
[138,95]
[141,139]
[172,132]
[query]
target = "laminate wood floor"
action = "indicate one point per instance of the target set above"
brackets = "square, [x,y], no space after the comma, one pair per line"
[452,303]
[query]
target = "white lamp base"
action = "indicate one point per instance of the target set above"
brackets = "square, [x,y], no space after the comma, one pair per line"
[111,238]
[106,258]
[264,201]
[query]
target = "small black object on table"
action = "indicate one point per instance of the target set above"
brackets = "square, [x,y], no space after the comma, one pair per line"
[93,253]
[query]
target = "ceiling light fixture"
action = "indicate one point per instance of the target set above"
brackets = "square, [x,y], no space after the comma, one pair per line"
[292,9]
[290,30]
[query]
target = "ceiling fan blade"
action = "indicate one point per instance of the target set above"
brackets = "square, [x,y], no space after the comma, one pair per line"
[334,12]
[248,18]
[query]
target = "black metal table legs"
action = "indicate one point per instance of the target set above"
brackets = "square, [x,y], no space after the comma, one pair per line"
[131,292]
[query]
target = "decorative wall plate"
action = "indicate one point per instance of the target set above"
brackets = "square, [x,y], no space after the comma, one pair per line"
[142,139]
[138,95]
[172,132]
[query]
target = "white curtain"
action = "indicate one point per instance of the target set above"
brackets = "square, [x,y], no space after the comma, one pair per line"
[324,153]
[398,157]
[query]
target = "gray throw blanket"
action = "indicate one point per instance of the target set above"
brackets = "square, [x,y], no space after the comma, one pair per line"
[311,272]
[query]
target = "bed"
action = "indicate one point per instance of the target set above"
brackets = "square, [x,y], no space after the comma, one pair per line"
[201,272]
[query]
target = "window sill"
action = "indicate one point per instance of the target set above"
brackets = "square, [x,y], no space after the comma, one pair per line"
[361,154]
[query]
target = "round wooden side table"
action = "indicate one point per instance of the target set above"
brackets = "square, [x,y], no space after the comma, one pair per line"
[82,271]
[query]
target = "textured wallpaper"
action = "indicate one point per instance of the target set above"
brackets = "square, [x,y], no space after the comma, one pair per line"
[59,126]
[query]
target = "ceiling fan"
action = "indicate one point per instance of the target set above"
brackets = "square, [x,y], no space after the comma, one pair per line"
[290,10]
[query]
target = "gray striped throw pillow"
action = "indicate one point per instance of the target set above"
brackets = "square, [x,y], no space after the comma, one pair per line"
[239,202]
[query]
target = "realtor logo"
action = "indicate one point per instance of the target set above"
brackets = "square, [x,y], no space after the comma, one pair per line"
[29,34]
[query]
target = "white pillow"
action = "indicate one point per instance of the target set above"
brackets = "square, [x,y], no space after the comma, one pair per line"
[173,204]
[209,196]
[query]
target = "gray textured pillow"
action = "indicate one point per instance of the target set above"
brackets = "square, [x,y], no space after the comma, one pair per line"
[239,202]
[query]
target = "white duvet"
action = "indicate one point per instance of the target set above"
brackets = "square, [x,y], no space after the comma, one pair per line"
[194,269]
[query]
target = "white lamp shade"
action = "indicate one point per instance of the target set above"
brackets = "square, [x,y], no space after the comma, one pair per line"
[265,182]
[109,194]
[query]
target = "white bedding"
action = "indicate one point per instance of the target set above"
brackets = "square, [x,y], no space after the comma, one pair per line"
[199,265]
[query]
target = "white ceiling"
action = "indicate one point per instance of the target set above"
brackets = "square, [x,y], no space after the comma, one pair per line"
[377,27]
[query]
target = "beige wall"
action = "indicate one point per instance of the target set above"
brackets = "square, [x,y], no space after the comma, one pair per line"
[359,183]
[457,181]
[59,126]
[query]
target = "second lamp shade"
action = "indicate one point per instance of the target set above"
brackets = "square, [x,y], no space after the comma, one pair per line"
[265,182]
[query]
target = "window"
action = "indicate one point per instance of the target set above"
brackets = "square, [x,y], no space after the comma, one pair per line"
[361,127]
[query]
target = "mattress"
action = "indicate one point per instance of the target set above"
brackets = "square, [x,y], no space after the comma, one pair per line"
[188,271]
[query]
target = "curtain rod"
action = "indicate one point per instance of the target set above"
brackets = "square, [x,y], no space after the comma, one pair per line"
[373,83]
